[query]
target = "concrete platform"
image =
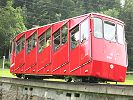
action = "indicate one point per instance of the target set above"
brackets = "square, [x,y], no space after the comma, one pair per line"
[20,89]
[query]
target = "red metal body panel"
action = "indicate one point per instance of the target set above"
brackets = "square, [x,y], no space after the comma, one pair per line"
[31,61]
[86,56]
[31,57]
[59,57]
[19,36]
[58,25]
[93,57]
[19,62]
[77,20]
[103,70]
[74,61]
[109,58]
[43,29]
[12,59]
[44,57]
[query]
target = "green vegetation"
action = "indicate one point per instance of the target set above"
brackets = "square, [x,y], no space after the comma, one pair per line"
[11,23]
[5,73]
[129,80]
[7,63]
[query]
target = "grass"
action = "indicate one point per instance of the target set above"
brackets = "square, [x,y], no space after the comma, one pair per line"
[129,80]
[6,73]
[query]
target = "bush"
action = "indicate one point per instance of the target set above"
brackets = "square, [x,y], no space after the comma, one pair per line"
[7,64]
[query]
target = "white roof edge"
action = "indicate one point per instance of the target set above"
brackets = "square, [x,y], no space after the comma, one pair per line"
[107,16]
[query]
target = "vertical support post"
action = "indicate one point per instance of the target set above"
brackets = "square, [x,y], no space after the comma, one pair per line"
[3,67]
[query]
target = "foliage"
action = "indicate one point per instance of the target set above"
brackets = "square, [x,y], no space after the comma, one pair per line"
[11,24]
[126,15]
[7,64]
[112,12]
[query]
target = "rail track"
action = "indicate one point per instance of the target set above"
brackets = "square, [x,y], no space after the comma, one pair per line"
[58,90]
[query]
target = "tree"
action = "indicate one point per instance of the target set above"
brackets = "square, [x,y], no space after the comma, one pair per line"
[11,24]
[3,3]
[126,15]
[112,12]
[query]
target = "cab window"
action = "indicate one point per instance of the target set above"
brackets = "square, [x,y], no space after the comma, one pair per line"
[120,34]
[31,43]
[75,37]
[98,28]
[109,31]
[20,44]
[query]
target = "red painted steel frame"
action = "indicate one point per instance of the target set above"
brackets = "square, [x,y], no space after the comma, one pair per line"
[89,58]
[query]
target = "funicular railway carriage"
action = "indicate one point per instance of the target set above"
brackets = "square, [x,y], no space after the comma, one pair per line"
[89,47]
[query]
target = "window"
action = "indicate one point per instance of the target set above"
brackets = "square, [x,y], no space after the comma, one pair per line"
[31,43]
[75,37]
[64,34]
[13,46]
[48,37]
[84,30]
[120,34]
[20,44]
[98,28]
[60,37]
[109,31]
[44,40]
[57,40]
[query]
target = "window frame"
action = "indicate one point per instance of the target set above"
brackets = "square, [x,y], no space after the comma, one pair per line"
[45,39]
[108,21]
[58,32]
[62,43]
[21,43]
[102,28]
[32,43]
[87,30]
[124,41]
[60,37]
[72,34]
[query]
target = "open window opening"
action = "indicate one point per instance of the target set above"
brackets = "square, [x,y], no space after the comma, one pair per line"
[20,44]
[75,37]
[31,43]
[44,40]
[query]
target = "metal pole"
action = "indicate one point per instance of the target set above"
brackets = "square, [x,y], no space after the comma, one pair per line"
[3,67]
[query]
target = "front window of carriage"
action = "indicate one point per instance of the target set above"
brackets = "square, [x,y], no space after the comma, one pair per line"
[109,31]
[98,28]
[120,34]
[20,44]
[75,37]
[44,40]
[31,43]
[84,30]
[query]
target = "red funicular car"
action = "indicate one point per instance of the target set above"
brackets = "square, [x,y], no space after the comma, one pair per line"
[89,47]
